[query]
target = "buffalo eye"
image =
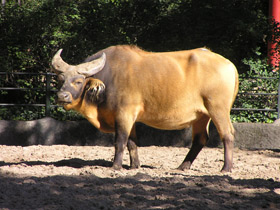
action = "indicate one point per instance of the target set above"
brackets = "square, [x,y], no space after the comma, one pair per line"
[78,83]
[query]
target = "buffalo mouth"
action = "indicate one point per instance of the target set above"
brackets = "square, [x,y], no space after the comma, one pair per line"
[63,103]
[64,98]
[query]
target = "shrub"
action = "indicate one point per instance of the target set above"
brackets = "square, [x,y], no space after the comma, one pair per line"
[258,89]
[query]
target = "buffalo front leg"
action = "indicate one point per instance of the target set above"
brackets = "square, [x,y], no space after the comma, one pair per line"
[123,127]
[200,138]
[132,148]
[121,138]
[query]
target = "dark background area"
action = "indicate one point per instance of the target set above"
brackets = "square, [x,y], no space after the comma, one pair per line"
[34,30]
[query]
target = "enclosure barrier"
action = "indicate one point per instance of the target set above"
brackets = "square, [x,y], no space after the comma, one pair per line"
[50,91]
[275,93]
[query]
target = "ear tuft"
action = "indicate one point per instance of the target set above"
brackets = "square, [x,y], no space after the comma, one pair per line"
[95,91]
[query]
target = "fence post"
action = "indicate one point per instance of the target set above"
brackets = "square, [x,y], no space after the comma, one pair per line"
[48,89]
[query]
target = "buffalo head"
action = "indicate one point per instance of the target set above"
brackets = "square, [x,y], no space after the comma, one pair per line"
[75,84]
[79,90]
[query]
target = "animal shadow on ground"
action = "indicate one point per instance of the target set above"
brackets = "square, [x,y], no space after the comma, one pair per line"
[275,153]
[74,163]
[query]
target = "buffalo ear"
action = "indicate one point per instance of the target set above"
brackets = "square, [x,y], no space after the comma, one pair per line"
[95,91]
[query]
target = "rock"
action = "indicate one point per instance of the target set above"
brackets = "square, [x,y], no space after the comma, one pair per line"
[277,122]
[48,131]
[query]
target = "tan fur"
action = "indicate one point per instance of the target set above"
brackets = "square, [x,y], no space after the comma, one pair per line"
[168,90]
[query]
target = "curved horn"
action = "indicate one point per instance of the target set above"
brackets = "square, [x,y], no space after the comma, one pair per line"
[58,63]
[93,67]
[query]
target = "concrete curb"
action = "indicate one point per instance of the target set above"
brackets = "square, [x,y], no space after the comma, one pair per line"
[48,131]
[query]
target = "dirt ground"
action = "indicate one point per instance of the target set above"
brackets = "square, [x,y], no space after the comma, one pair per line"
[80,177]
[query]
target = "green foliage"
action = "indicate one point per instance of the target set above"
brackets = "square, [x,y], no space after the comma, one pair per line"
[35,30]
[258,89]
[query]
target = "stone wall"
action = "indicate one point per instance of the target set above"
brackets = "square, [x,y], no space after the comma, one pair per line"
[48,131]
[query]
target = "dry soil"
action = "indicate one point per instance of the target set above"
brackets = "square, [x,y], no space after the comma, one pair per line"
[80,177]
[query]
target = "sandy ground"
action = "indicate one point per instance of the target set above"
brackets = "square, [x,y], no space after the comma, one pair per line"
[80,177]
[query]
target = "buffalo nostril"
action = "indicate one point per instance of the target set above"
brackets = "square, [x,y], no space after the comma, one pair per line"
[63,96]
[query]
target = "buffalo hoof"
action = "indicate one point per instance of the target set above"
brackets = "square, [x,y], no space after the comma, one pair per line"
[117,167]
[135,166]
[226,170]
[184,166]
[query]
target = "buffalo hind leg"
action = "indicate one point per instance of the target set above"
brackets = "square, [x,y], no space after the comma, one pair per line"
[225,129]
[199,140]
[228,152]
[132,148]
